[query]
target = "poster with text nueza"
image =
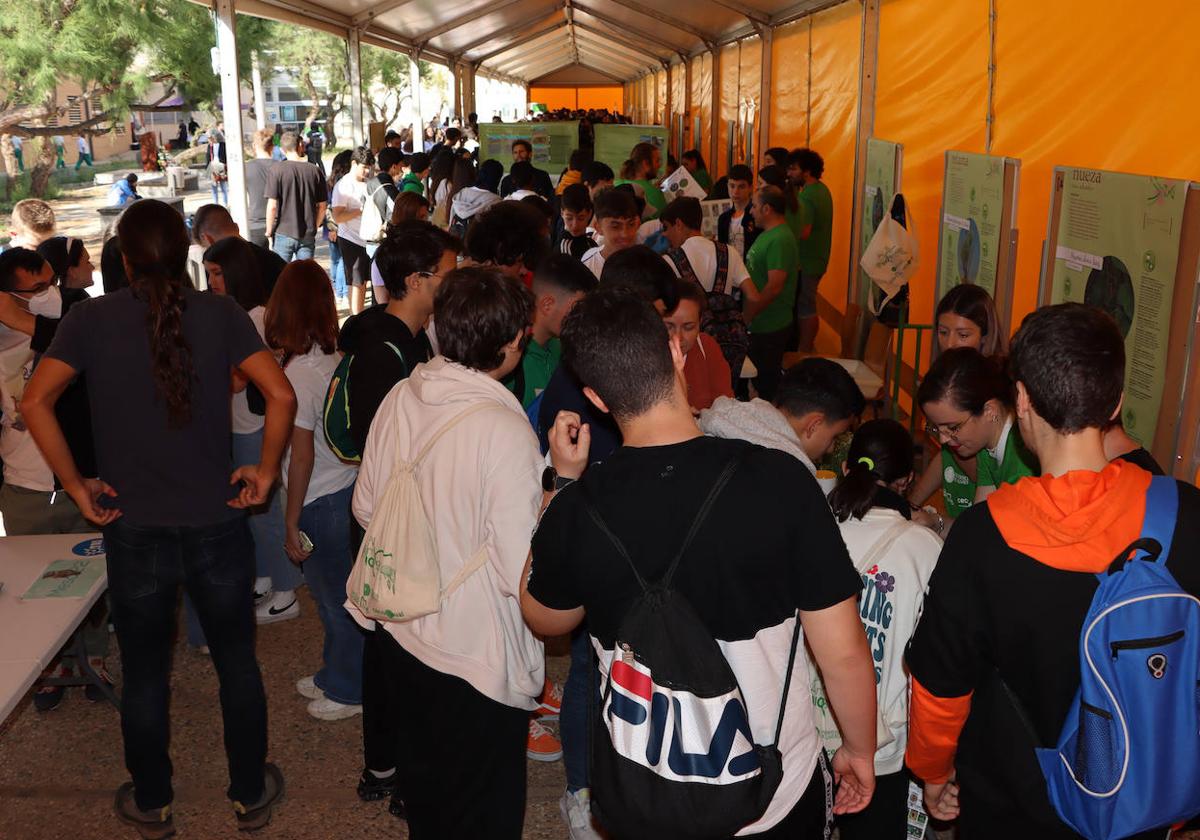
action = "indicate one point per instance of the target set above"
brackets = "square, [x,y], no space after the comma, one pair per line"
[972,215]
[882,184]
[1118,246]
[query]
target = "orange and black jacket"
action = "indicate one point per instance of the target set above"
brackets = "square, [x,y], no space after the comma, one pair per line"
[999,636]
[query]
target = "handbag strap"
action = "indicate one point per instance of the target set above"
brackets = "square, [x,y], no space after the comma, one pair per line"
[881,545]
[454,421]
[722,276]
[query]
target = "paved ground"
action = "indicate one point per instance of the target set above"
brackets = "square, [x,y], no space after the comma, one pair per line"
[58,770]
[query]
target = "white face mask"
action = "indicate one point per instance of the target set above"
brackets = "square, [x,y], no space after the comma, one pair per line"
[47,303]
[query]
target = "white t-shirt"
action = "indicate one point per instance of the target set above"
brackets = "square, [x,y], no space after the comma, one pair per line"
[310,375]
[737,233]
[349,193]
[702,254]
[593,260]
[81,144]
[24,465]
[246,422]
[517,195]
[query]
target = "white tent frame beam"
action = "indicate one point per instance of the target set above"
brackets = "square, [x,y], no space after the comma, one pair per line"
[620,42]
[512,63]
[462,20]
[617,51]
[519,42]
[367,15]
[664,18]
[542,17]
[627,29]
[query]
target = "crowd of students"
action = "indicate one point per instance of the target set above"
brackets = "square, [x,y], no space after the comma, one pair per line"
[581,420]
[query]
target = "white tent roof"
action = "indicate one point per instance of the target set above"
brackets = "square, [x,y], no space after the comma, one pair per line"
[528,39]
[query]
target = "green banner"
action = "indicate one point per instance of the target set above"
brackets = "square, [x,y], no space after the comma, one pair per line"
[1118,247]
[552,143]
[972,212]
[615,142]
[883,175]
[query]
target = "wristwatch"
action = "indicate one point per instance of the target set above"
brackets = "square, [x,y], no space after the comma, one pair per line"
[552,481]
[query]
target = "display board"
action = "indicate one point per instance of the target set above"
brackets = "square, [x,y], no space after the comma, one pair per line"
[552,143]
[1130,244]
[884,166]
[615,142]
[977,235]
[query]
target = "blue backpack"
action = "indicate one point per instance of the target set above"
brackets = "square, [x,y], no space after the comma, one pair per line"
[1128,757]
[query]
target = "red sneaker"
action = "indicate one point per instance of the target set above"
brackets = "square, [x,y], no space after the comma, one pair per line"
[542,745]
[550,703]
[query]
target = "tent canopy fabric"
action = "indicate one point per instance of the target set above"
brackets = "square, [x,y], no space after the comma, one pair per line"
[622,38]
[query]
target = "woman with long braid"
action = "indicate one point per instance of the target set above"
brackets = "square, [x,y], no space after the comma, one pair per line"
[159,357]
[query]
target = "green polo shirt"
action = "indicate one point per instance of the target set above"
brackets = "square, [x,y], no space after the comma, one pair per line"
[774,250]
[654,196]
[958,490]
[1016,462]
[817,204]
[537,366]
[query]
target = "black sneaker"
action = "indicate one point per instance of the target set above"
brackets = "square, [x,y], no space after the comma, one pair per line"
[371,788]
[49,697]
[151,825]
[256,815]
[396,808]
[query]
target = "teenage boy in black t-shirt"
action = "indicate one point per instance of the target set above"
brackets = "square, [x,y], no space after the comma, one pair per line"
[745,585]
[1016,578]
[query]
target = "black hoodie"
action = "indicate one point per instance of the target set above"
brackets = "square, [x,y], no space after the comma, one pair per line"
[376,367]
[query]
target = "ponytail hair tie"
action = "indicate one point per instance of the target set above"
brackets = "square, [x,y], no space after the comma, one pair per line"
[865,460]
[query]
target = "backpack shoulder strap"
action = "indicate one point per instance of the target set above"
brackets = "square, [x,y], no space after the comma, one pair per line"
[722,268]
[787,679]
[1162,509]
[454,421]
[682,264]
[400,356]
[590,506]
[702,514]
[881,545]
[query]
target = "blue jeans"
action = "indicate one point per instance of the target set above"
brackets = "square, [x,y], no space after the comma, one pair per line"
[215,566]
[294,249]
[224,188]
[326,521]
[337,270]
[266,527]
[573,720]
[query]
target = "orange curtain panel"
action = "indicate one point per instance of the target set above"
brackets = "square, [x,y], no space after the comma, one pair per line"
[729,106]
[608,96]
[787,101]
[555,97]
[749,82]
[836,40]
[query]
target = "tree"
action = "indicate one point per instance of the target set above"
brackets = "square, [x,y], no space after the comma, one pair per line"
[116,51]
[318,62]
[390,71]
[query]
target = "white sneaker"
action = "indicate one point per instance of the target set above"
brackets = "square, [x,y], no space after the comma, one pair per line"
[326,709]
[262,590]
[577,814]
[279,606]
[308,689]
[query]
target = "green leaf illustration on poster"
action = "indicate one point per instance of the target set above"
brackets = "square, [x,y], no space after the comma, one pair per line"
[972,212]
[1118,248]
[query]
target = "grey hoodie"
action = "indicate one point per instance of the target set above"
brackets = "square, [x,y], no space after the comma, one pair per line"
[471,200]
[756,421]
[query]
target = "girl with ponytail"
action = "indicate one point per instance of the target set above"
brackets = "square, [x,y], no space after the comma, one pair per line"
[159,359]
[895,557]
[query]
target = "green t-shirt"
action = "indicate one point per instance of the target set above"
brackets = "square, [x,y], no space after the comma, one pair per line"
[958,490]
[1016,463]
[654,196]
[703,179]
[817,204]
[537,366]
[774,250]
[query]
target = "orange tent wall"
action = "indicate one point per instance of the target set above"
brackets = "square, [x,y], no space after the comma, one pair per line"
[591,96]
[729,107]
[749,82]
[601,97]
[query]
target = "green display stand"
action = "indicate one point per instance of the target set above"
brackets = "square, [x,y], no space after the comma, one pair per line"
[552,143]
[615,142]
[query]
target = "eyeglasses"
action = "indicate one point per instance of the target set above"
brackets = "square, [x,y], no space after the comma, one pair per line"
[950,430]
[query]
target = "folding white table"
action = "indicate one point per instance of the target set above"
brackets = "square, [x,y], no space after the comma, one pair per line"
[33,632]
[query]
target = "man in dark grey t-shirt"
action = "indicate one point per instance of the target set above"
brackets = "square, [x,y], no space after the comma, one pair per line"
[296,200]
[257,170]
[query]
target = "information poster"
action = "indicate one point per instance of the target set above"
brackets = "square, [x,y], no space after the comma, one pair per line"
[552,143]
[66,579]
[882,183]
[1118,247]
[972,221]
[615,142]
[711,211]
